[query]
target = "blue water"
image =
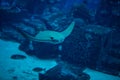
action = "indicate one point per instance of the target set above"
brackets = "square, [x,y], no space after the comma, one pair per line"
[93,43]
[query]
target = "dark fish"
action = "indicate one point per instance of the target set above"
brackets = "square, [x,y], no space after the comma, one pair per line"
[38,69]
[18,56]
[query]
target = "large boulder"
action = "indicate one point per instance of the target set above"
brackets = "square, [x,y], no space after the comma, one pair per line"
[64,72]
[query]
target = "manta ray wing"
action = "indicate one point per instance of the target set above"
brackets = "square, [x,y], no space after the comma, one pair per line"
[68,31]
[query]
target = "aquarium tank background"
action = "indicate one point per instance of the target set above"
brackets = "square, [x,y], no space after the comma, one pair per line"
[76,34]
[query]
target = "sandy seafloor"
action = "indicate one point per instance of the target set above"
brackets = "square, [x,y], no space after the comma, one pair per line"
[23,68]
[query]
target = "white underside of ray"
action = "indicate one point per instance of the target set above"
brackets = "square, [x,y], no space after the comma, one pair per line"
[46,34]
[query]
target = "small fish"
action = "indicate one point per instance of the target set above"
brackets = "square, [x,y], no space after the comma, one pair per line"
[38,69]
[60,47]
[18,57]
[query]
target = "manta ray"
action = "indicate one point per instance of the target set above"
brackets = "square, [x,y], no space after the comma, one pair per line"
[50,36]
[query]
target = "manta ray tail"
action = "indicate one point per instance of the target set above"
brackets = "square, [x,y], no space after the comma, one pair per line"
[24,34]
[27,36]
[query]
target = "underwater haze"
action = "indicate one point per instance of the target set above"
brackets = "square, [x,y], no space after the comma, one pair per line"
[59,39]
